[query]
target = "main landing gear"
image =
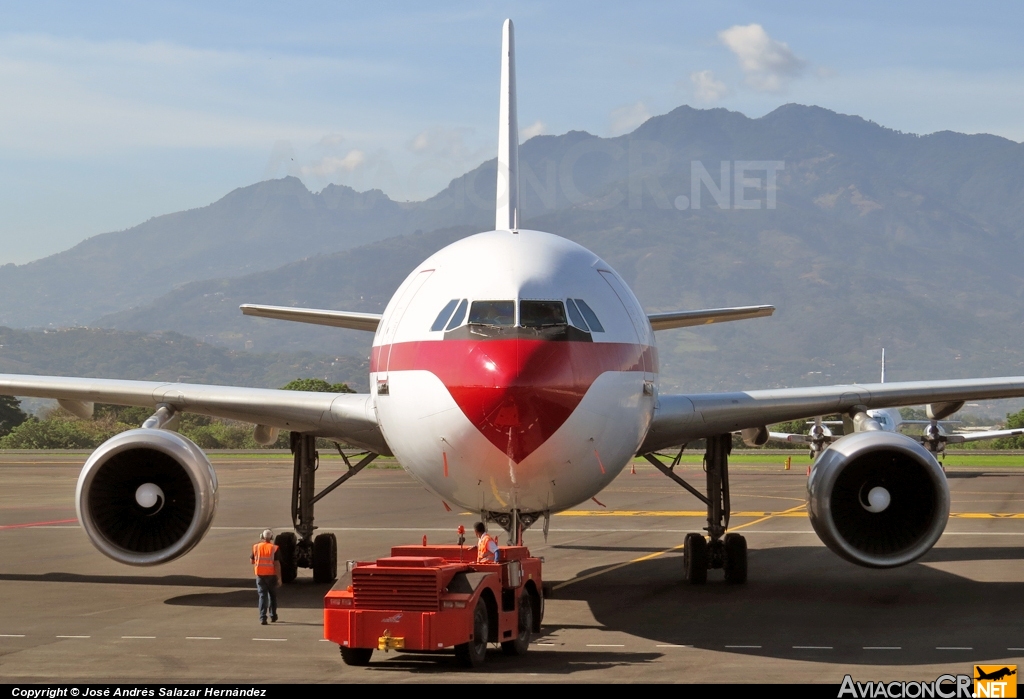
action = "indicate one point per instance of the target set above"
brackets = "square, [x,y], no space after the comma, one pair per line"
[304,551]
[718,550]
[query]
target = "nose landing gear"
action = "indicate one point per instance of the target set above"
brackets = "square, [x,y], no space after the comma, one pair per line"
[718,550]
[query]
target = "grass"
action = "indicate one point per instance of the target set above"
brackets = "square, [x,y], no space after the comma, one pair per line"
[953,459]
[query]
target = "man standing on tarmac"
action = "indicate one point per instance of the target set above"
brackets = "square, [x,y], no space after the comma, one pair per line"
[268,575]
[486,546]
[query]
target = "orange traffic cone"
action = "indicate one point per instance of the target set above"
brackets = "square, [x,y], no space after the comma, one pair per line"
[632,469]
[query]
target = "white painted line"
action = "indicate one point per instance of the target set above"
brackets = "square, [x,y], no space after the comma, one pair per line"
[326,640]
[882,647]
[202,638]
[606,645]
[1015,649]
[812,647]
[743,646]
[953,648]
[12,635]
[270,639]
[671,645]
[138,636]
[74,636]
[543,644]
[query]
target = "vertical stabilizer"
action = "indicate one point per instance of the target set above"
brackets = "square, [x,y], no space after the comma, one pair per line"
[883,365]
[507,204]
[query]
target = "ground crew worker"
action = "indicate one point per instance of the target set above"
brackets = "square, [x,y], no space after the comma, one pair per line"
[268,575]
[486,546]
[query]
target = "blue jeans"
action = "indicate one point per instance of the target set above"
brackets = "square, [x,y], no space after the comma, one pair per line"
[266,586]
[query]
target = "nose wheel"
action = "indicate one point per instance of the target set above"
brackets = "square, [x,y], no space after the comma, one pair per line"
[718,549]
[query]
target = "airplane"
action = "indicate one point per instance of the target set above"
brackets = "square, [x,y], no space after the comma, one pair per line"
[515,374]
[934,437]
[995,675]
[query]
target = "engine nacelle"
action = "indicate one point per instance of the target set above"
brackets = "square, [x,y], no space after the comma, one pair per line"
[878,499]
[146,496]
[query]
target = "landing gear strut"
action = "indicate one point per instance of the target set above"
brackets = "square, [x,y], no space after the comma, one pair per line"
[303,551]
[719,550]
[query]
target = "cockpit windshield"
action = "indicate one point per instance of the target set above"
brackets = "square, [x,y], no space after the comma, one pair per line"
[493,313]
[541,314]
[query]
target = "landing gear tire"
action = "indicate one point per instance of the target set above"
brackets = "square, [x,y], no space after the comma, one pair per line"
[735,559]
[521,643]
[356,656]
[325,558]
[474,653]
[695,559]
[285,542]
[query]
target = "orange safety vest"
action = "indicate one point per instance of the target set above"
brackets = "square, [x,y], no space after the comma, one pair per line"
[263,557]
[482,554]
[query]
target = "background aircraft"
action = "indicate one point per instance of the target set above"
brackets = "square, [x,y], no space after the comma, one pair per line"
[934,437]
[515,374]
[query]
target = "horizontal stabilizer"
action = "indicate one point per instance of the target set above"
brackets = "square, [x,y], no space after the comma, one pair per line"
[315,316]
[684,319]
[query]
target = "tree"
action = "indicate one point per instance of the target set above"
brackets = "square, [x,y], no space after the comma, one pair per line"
[317,386]
[11,414]
[1013,421]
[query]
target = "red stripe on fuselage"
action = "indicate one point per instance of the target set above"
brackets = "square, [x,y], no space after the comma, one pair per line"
[517,392]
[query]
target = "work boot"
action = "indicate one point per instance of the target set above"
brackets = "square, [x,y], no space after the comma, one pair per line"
[274,617]
[263,622]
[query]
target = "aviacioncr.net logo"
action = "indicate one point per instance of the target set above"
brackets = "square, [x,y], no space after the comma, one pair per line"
[943,687]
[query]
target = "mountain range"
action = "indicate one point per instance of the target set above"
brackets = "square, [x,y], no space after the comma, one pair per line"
[870,238]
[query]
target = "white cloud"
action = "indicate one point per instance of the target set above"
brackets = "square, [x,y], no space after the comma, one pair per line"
[448,144]
[330,141]
[331,165]
[535,129]
[767,63]
[625,119]
[706,88]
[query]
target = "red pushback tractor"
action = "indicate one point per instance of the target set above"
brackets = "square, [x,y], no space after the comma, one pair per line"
[434,599]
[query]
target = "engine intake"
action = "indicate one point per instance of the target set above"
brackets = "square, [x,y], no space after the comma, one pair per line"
[146,496]
[878,499]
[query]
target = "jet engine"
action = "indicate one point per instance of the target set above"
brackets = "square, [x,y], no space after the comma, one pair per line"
[878,499]
[146,496]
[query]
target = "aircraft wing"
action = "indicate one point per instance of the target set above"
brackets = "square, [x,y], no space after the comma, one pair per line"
[788,437]
[344,416]
[315,316]
[960,437]
[685,319]
[683,418]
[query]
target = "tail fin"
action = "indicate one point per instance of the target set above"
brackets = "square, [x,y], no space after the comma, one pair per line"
[507,204]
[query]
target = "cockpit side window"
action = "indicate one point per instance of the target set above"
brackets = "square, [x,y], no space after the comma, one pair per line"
[494,313]
[541,314]
[575,317]
[444,315]
[460,315]
[589,314]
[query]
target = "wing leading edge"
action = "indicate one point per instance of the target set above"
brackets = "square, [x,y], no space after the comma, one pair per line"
[684,418]
[315,316]
[686,319]
[344,416]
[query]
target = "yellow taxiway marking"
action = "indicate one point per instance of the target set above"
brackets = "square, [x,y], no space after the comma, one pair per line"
[793,512]
[616,566]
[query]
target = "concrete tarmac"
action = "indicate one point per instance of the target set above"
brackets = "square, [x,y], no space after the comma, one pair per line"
[621,612]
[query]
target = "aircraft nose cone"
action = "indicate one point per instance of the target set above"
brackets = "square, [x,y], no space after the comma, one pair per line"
[517,392]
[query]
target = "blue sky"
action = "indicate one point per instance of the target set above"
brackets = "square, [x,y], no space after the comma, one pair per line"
[114,112]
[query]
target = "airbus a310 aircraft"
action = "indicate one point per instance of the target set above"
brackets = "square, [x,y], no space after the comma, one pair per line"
[514,374]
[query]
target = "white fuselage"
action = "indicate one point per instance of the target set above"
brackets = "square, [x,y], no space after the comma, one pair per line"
[506,404]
